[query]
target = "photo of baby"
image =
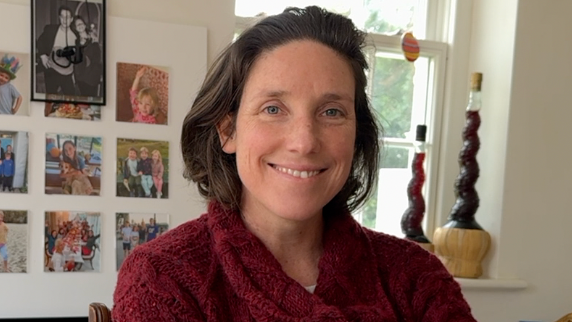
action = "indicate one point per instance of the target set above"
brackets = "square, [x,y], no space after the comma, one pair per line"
[134,229]
[13,241]
[14,84]
[71,241]
[142,94]
[73,164]
[73,111]
[142,168]
[13,162]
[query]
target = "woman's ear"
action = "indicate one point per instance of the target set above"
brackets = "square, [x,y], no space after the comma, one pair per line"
[227,135]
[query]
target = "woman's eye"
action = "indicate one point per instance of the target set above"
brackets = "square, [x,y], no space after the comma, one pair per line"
[332,112]
[272,109]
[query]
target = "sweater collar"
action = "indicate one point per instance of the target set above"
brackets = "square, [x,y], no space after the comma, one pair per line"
[348,286]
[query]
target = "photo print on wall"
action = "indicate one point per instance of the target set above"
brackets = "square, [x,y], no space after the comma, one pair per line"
[14,161]
[13,241]
[14,84]
[72,241]
[142,168]
[142,94]
[73,164]
[134,229]
[73,111]
[68,38]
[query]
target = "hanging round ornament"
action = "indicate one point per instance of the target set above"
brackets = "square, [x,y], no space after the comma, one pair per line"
[410,46]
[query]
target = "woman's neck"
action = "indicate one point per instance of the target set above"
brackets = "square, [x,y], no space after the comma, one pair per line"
[297,245]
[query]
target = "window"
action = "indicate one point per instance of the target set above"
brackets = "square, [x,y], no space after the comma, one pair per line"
[403,94]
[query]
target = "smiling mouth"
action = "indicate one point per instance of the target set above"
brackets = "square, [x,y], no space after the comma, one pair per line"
[297,173]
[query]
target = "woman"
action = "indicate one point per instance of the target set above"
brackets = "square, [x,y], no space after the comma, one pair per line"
[71,156]
[88,73]
[282,142]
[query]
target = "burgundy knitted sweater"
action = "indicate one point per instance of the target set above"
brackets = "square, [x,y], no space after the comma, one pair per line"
[214,269]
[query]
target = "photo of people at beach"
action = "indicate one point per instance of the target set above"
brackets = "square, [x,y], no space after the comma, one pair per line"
[14,84]
[13,241]
[72,241]
[142,168]
[13,162]
[72,111]
[135,229]
[73,164]
[142,93]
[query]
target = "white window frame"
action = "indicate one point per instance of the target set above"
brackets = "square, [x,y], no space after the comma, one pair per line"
[437,53]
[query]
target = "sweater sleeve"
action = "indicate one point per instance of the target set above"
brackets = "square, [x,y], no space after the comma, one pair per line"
[144,292]
[437,296]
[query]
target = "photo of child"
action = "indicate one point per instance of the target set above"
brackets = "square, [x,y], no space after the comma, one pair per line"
[71,241]
[73,111]
[13,162]
[135,229]
[13,241]
[142,168]
[73,164]
[142,94]
[14,84]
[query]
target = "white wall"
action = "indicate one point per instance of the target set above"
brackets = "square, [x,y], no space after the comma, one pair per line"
[216,15]
[523,49]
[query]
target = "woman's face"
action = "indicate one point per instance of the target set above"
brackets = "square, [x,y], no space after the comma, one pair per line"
[54,233]
[69,150]
[155,157]
[295,130]
[80,25]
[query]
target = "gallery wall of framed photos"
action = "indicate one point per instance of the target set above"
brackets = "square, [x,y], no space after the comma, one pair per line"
[87,180]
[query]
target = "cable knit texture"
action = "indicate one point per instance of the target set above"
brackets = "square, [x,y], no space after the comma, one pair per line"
[214,269]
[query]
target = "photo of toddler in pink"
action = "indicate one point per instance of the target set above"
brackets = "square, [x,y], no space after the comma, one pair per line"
[142,94]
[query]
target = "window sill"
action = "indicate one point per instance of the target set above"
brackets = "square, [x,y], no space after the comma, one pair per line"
[492,284]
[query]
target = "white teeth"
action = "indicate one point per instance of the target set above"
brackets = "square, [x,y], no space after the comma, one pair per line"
[297,173]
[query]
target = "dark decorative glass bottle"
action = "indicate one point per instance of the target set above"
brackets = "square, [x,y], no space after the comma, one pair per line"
[463,212]
[411,221]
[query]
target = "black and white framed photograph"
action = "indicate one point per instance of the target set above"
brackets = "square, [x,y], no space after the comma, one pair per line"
[68,48]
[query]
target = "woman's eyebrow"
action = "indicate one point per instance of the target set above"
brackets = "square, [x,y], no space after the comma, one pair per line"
[327,96]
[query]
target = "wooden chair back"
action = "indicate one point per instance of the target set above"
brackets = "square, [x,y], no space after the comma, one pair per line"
[98,312]
[566,318]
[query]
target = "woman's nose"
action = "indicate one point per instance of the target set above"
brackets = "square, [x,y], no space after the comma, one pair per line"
[304,135]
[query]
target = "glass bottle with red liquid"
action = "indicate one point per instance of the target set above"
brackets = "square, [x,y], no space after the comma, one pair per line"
[411,221]
[463,212]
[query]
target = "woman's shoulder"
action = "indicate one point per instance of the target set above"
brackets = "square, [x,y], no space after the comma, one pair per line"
[388,248]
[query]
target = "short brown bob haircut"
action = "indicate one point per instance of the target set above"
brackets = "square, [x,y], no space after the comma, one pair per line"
[214,171]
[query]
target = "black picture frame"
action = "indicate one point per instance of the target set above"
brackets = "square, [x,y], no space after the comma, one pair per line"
[68,61]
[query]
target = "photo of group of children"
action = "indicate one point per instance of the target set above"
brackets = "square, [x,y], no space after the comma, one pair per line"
[142,94]
[73,164]
[13,162]
[14,84]
[134,229]
[13,241]
[142,168]
[72,241]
